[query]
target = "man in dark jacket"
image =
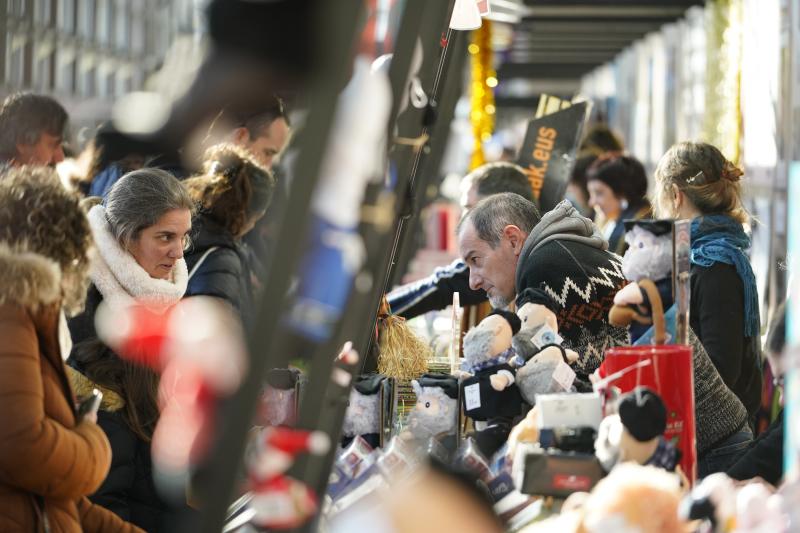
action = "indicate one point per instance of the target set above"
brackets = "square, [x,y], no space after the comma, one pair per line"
[508,248]
[436,291]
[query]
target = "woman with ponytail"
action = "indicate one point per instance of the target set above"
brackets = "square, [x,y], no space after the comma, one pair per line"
[695,181]
[233,192]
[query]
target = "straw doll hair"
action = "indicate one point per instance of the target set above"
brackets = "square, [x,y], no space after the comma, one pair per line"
[402,354]
[705,176]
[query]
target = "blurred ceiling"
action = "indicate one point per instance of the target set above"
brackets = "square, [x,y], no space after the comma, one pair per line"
[556,42]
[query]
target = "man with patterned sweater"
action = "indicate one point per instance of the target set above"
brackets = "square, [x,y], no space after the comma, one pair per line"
[509,248]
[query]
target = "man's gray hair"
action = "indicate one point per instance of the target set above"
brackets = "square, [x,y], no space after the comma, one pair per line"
[24,116]
[139,199]
[492,214]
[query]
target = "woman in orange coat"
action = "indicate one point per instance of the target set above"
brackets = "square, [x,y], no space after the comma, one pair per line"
[49,461]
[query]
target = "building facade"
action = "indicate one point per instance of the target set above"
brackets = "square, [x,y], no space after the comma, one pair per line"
[87,53]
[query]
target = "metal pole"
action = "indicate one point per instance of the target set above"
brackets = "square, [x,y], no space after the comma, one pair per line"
[337,25]
[326,400]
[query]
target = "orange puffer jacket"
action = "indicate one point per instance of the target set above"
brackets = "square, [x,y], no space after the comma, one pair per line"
[48,462]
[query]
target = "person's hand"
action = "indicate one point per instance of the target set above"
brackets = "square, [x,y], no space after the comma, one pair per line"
[91,417]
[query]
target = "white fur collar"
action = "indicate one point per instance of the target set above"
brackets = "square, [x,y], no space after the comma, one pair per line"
[118,276]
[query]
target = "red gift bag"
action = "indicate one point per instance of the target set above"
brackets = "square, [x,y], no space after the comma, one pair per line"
[670,374]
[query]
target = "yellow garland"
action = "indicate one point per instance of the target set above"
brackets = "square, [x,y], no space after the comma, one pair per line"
[722,119]
[484,79]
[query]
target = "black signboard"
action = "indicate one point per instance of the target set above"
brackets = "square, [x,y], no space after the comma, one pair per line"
[548,153]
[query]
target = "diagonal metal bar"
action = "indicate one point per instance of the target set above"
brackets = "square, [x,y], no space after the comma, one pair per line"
[446,105]
[325,402]
[337,25]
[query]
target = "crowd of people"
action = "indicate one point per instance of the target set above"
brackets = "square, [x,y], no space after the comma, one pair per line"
[573,252]
[144,232]
[145,228]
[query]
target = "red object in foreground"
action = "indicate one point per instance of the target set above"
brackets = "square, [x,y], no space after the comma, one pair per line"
[671,376]
[147,334]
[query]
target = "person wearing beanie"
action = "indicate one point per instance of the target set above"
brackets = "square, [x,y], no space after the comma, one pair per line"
[643,414]
[436,412]
[635,433]
[509,248]
[233,194]
[617,186]
[363,416]
[490,395]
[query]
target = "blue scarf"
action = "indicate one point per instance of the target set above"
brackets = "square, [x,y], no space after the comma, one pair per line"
[721,239]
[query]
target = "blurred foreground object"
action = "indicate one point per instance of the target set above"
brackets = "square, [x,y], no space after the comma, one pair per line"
[280,502]
[198,349]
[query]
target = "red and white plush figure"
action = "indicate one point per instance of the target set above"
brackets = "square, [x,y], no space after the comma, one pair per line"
[280,502]
[198,348]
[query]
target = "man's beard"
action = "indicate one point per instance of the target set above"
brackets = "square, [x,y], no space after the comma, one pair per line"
[499,301]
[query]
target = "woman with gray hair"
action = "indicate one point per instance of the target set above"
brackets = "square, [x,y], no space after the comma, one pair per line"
[140,233]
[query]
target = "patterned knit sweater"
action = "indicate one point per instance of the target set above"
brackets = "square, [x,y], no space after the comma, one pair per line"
[566,257]
[718,413]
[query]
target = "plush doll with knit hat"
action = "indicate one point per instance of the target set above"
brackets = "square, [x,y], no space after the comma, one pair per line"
[635,433]
[436,412]
[277,405]
[491,397]
[545,363]
[363,416]
[649,257]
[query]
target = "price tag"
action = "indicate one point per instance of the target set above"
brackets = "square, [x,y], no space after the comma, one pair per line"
[472,396]
[544,336]
[564,375]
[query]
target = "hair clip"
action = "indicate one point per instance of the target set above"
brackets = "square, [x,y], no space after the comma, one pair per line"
[694,179]
[218,168]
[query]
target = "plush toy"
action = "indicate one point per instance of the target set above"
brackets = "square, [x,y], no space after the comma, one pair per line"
[488,350]
[633,306]
[632,498]
[545,363]
[363,416]
[635,433]
[538,323]
[278,402]
[280,502]
[759,509]
[436,412]
[526,431]
[649,256]
[490,396]
[726,505]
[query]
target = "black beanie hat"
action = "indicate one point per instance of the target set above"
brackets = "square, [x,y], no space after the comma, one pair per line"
[512,319]
[446,382]
[368,384]
[283,378]
[656,227]
[643,414]
[536,296]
